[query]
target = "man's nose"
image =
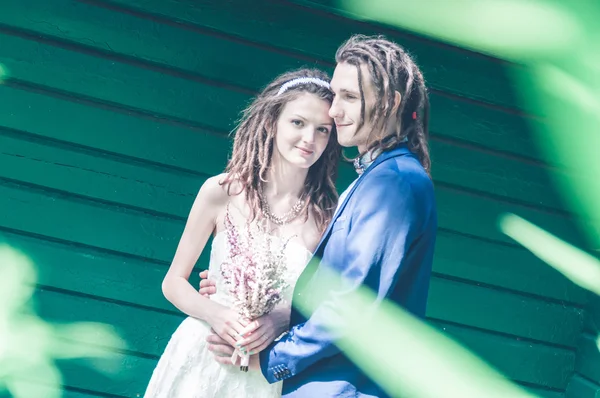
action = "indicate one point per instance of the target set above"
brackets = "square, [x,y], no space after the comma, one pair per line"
[335,112]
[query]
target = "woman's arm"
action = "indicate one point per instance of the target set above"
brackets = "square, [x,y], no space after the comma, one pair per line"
[208,205]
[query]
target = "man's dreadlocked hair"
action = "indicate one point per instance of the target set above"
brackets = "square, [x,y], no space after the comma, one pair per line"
[391,69]
[254,142]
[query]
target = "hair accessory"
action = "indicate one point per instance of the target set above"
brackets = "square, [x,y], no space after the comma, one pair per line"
[414,115]
[302,80]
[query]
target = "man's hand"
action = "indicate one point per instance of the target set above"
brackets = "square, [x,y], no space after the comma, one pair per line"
[220,349]
[207,287]
[223,353]
[260,333]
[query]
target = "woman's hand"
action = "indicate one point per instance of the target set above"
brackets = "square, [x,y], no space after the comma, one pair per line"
[226,323]
[223,353]
[263,331]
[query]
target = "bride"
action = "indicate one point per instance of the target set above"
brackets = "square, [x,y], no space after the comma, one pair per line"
[281,175]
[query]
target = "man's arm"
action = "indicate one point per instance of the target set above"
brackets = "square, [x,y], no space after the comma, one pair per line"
[386,219]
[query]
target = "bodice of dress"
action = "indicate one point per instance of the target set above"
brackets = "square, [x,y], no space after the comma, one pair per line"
[296,258]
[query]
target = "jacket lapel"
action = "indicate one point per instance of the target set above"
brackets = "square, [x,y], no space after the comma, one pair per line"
[400,151]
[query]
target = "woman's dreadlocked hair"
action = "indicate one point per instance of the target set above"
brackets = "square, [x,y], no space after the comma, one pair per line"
[391,69]
[254,142]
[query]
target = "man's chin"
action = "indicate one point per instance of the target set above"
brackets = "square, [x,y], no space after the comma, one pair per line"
[346,143]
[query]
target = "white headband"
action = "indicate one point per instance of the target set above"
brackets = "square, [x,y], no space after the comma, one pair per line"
[302,80]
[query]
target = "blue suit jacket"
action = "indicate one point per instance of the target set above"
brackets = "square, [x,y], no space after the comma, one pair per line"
[382,237]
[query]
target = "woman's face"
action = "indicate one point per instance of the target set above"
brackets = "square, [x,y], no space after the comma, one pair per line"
[303,130]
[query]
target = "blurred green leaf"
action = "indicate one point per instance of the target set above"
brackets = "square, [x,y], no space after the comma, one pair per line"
[575,264]
[29,346]
[518,30]
[401,352]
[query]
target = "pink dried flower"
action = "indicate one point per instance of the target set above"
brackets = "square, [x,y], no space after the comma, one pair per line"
[254,269]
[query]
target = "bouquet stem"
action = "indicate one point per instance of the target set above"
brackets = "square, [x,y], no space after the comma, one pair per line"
[244,360]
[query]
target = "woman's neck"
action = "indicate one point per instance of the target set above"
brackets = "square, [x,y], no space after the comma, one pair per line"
[284,181]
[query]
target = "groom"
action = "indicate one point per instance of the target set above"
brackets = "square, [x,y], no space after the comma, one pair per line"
[383,234]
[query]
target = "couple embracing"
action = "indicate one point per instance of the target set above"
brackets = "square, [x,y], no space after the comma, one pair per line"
[275,209]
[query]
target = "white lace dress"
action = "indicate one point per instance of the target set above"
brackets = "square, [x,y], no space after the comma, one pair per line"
[188,370]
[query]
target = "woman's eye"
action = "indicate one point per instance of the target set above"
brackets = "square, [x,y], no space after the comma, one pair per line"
[297,122]
[323,130]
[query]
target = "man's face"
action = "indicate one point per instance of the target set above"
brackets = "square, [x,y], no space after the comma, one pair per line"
[346,107]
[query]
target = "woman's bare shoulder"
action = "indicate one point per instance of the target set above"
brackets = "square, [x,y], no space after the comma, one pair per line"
[219,189]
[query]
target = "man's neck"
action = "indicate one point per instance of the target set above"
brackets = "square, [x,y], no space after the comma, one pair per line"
[363,162]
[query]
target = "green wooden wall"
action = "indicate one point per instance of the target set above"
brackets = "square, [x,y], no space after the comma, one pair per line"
[586,380]
[115,112]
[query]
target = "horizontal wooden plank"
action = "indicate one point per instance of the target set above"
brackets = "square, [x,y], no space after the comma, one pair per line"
[97,176]
[343,10]
[111,374]
[37,113]
[155,238]
[148,332]
[147,139]
[578,387]
[281,24]
[509,267]
[477,214]
[543,393]
[46,391]
[113,229]
[588,358]
[472,258]
[502,311]
[125,84]
[454,165]
[196,102]
[524,362]
[89,271]
[131,380]
[456,209]
[140,35]
[499,175]
[592,316]
[138,282]
[144,331]
[85,378]
[73,394]
[582,388]
[211,56]
[135,185]
[487,127]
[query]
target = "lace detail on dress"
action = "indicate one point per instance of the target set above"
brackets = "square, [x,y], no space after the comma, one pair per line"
[187,369]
